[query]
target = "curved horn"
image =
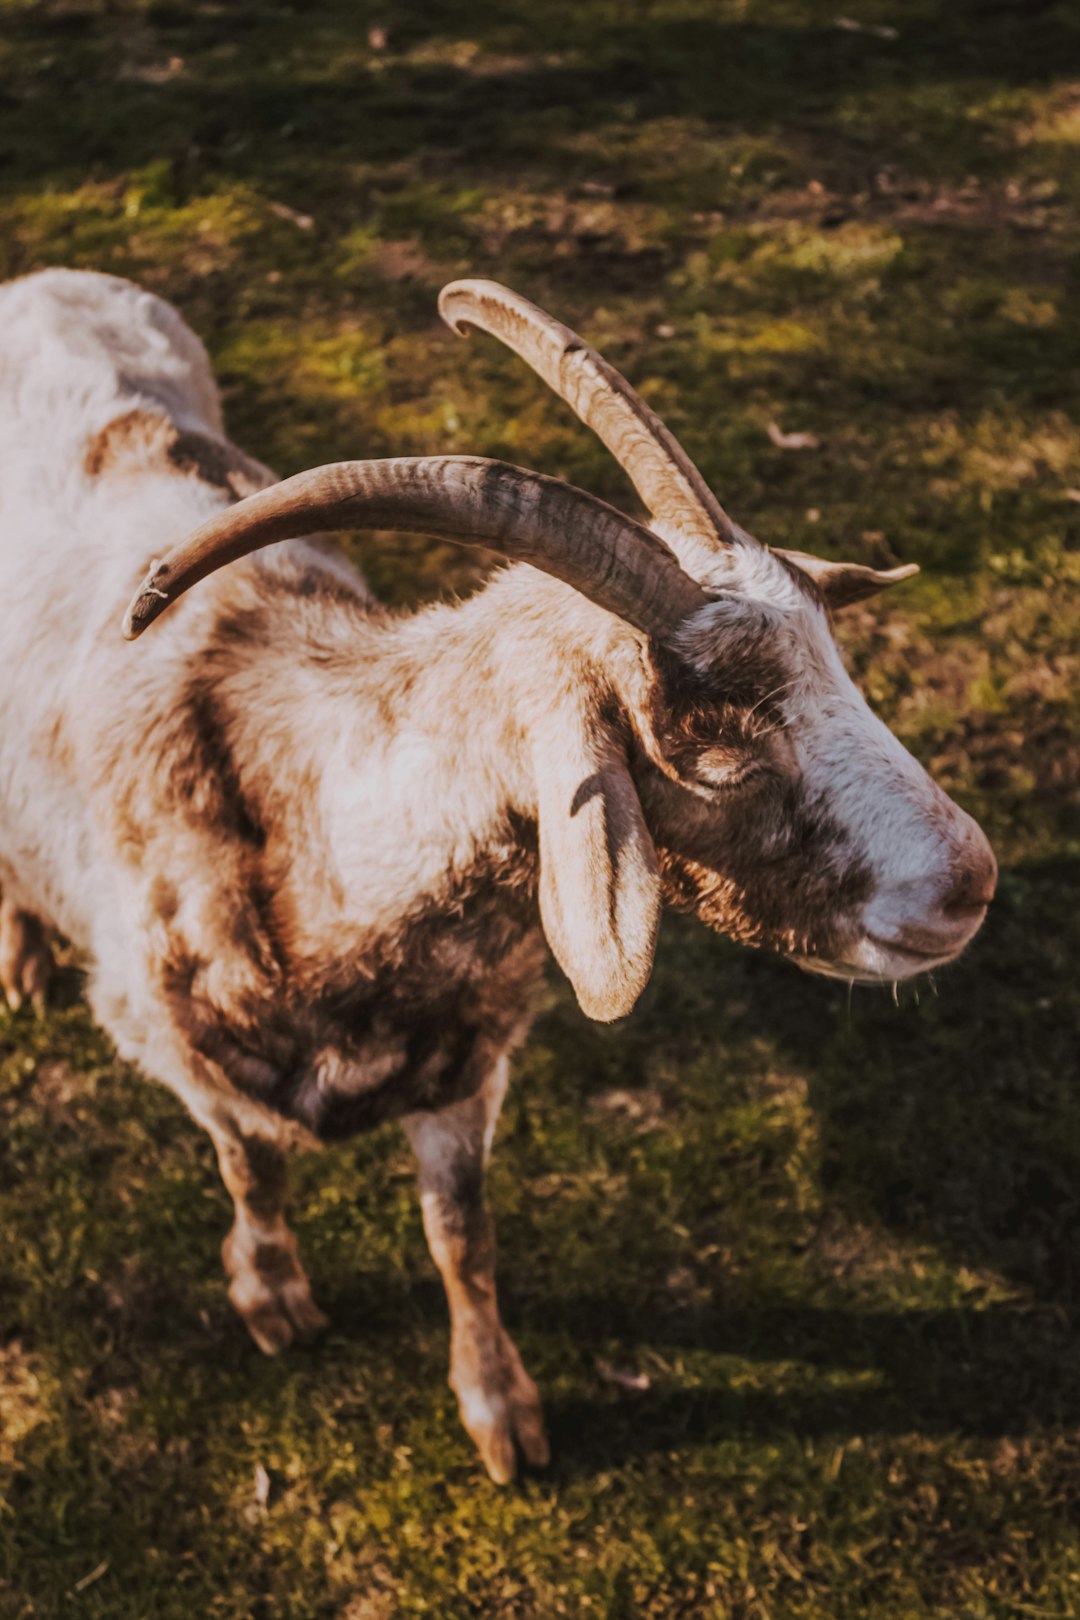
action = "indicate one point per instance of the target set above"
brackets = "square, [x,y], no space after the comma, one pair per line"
[608,557]
[671,487]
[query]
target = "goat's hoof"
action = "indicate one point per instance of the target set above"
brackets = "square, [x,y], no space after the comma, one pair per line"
[274,1326]
[270,1291]
[26,960]
[276,1320]
[504,1416]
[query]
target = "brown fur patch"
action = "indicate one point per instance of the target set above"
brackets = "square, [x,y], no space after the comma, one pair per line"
[176,794]
[274,1264]
[265,1187]
[760,863]
[144,441]
[57,745]
[411,1017]
[808,586]
[774,871]
[137,436]
[217,462]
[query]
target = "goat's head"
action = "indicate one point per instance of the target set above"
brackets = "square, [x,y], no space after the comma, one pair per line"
[752,784]
[784,812]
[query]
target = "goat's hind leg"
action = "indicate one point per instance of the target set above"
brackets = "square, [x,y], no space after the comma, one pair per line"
[496,1397]
[267,1282]
[26,961]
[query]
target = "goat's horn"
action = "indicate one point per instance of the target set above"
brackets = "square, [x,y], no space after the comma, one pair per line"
[674,492]
[605,555]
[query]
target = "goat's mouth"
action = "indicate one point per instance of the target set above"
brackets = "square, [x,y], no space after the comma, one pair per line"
[899,947]
[874,959]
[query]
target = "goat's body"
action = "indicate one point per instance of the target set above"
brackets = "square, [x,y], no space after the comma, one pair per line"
[248,809]
[292,911]
[306,846]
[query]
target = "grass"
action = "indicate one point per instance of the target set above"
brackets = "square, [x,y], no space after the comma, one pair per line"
[839,1236]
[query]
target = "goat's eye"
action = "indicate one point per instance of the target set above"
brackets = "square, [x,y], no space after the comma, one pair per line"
[724,774]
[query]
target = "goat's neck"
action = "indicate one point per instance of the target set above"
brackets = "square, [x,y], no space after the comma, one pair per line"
[437,763]
[423,755]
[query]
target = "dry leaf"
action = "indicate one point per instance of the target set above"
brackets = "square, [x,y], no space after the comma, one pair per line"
[851,25]
[303,222]
[88,1580]
[623,1377]
[792,441]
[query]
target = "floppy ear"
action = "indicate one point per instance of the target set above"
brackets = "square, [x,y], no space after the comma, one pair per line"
[843,583]
[599,882]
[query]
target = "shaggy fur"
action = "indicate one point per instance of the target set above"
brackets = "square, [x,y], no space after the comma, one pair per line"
[310,849]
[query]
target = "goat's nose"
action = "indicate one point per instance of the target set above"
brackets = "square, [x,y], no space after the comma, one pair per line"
[973,883]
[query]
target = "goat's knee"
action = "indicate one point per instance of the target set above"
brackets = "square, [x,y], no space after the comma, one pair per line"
[267,1283]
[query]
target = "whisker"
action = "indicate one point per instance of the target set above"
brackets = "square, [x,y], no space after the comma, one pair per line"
[785,686]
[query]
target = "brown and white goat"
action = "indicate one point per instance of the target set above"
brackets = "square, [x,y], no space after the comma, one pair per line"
[310,848]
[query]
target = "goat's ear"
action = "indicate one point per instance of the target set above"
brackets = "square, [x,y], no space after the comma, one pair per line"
[843,583]
[599,882]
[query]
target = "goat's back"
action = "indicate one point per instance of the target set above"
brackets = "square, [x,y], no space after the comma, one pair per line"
[86,360]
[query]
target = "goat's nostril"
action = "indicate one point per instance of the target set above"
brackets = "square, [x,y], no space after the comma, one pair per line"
[971,890]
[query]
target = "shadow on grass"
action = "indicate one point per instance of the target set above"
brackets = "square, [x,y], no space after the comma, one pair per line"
[954,1115]
[955,1123]
[981,1375]
[817,1373]
[256,97]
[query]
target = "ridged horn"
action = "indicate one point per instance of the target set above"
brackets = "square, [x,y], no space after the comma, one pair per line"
[605,555]
[673,491]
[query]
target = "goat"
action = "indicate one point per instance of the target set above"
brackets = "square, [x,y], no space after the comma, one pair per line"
[310,848]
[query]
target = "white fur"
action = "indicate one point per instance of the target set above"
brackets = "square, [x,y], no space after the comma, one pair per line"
[77,351]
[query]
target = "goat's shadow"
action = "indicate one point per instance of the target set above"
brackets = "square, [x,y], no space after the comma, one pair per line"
[953,1122]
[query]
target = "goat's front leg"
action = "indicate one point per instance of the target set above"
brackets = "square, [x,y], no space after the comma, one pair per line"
[267,1283]
[496,1397]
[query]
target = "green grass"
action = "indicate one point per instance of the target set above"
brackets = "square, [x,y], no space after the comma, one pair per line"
[840,1236]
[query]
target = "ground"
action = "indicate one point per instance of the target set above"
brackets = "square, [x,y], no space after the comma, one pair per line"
[837,1236]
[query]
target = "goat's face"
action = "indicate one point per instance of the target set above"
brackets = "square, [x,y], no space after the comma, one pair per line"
[783,811]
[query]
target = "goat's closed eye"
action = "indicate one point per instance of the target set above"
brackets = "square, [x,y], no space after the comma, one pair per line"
[725,774]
